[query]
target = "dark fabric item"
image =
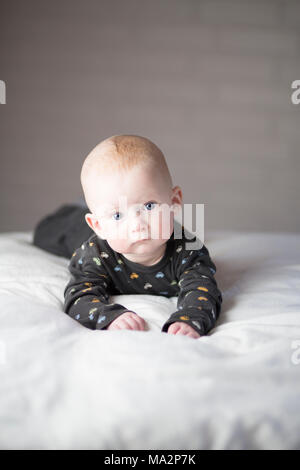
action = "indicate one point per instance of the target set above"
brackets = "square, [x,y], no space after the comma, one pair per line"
[61,232]
[97,271]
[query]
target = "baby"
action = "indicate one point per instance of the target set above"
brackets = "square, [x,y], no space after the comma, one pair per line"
[132,249]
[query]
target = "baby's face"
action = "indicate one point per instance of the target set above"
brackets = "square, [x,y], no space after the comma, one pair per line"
[133,210]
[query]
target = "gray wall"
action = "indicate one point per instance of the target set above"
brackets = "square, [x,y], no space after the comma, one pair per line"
[208,81]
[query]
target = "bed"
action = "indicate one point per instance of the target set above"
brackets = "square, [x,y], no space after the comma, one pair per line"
[64,386]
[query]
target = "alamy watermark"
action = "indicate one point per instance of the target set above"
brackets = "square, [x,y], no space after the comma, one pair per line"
[295,97]
[2,92]
[295,357]
[141,223]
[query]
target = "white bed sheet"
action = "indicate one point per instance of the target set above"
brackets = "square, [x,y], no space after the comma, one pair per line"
[64,386]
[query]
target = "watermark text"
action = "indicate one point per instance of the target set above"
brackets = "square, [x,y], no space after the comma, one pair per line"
[2,92]
[295,357]
[295,97]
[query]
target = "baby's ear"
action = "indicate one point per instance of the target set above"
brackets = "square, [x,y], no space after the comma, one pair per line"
[176,198]
[93,223]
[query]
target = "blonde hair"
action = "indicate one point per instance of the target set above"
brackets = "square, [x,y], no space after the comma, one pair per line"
[121,153]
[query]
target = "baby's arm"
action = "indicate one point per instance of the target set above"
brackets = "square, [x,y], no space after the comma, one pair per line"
[199,299]
[86,294]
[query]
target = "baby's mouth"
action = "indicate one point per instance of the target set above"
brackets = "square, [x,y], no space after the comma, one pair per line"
[140,237]
[139,240]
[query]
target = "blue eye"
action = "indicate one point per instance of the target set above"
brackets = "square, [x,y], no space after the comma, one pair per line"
[150,205]
[118,215]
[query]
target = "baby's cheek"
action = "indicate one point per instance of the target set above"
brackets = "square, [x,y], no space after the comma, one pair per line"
[118,245]
[116,233]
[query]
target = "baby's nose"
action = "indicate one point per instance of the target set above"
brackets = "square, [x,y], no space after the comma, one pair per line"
[137,223]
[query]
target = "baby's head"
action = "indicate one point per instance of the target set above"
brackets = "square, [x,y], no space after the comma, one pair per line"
[128,189]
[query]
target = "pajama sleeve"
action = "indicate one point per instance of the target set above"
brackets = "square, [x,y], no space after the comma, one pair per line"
[199,299]
[86,294]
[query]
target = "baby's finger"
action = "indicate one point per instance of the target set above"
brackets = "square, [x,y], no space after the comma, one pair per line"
[181,330]
[140,321]
[114,326]
[132,323]
[193,334]
[120,324]
[187,330]
[174,328]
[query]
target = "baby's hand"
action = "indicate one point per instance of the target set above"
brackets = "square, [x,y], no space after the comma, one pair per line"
[180,328]
[127,321]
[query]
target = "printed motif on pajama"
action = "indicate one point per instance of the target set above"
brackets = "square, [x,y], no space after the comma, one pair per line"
[97,272]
